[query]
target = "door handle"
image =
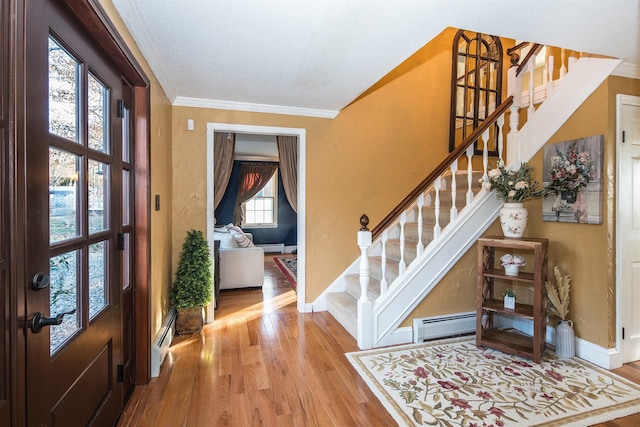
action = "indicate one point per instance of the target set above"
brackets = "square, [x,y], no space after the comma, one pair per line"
[39,320]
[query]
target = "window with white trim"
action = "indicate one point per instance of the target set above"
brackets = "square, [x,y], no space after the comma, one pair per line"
[262,209]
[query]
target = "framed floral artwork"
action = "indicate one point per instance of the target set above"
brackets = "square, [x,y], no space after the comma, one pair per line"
[572,177]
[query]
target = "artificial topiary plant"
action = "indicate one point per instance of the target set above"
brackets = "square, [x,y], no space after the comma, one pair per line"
[192,287]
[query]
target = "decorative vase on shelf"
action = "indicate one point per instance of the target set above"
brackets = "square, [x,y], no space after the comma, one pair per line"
[511,269]
[565,340]
[513,219]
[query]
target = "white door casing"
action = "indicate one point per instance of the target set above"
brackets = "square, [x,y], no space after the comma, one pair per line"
[301,133]
[628,226]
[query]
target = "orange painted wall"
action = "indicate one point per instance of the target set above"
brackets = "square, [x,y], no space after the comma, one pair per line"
[363,161]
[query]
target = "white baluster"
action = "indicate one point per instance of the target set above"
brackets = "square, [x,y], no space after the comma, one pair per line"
[436,228]
[383,262]
[563,69]
[365,331]
[514,119]
[545,72]
[499,137]
[485,155]
[454,210]
[402,265]
[531,88]
[550,84]
[469,174]
[572,63]
[419,245]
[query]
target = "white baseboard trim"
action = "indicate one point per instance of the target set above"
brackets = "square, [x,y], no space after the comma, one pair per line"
[290,249]
[403,335]
[162,342]
[607,358]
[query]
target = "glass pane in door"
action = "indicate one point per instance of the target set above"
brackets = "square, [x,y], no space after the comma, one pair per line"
[126,135]
[98,267]
[97,118]
[98,196]
[63,92]
[126,261]
[63,296]
[64,198]
[126,197]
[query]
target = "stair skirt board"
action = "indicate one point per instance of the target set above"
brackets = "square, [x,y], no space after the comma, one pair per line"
[162,342]
[428,328]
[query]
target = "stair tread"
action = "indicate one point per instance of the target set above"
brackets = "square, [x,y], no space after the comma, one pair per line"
[353,286]
[344,308]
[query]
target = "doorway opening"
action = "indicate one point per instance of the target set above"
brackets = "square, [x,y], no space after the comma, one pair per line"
[301,211]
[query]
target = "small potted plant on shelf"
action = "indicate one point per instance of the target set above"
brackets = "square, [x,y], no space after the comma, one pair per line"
[512,264]
[510,299]
[191,290]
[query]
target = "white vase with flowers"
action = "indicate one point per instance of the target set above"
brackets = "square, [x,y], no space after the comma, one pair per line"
[513,186]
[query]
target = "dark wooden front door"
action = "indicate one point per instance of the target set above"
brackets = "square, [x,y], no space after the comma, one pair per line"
[5,324]
[74,161]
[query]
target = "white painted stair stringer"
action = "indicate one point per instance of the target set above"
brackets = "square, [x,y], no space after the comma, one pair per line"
[392,308]
[574,88]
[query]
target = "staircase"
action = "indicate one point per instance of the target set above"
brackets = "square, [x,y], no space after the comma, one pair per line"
[408,253]
[343,305]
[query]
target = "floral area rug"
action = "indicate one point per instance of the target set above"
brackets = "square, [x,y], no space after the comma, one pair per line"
[289,267]
[454,383]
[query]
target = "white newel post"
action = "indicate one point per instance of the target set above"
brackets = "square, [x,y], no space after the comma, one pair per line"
[365,322]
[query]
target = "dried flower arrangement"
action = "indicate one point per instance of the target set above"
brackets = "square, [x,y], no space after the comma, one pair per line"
[558,294]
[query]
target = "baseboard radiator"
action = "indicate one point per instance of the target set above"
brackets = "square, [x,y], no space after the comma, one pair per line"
[272,247]
[428,328]
[162,342]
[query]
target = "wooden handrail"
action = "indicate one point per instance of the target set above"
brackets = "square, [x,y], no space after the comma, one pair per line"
[519,46]
[441,168]
[533,52]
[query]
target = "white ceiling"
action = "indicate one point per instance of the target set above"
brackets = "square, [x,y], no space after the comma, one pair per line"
[313,57]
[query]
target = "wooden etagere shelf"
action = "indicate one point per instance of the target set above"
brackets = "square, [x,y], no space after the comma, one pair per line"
[489,304]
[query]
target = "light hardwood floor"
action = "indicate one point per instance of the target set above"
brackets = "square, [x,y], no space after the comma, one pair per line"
[261,363]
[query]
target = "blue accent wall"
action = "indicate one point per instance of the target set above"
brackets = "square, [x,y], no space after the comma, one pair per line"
[287,218]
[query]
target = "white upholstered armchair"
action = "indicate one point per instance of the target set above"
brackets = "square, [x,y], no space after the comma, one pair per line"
[239,267]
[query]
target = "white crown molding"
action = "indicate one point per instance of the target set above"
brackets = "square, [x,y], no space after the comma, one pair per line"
[183,101]
[627,69]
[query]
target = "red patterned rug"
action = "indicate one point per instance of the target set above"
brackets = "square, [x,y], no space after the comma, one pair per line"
[289,267]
